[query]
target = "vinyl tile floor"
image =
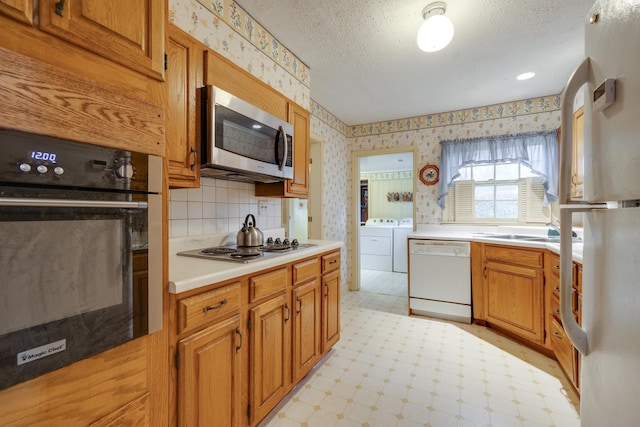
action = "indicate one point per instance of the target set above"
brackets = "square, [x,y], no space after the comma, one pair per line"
[389,369]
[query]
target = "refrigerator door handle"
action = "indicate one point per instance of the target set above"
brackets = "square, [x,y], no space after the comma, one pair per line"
[579,77]
[576,334]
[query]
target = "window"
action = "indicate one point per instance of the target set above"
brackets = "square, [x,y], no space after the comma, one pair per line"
[498,179]
[504,192]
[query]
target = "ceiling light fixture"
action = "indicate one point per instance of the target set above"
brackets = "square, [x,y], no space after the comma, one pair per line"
[436,31]
[525,76]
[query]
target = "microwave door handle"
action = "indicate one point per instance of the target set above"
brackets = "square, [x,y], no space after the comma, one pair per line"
[64,203]
[286,147]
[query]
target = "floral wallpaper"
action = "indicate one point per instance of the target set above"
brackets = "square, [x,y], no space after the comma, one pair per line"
[228,30]
[336,180]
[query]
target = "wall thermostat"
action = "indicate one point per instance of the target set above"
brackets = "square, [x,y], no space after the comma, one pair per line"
[604,95]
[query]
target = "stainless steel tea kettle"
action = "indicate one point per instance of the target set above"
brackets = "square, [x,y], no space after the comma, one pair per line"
[250,235]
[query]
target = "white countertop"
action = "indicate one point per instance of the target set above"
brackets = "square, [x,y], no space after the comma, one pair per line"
[186,273]
[483,234]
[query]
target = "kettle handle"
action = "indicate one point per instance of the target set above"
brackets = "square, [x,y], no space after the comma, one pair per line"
[246,221]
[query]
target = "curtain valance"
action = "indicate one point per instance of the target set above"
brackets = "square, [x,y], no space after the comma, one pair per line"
[537,150]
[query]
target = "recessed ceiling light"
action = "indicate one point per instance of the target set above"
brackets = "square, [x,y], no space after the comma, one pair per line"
[525,76]
[256,126]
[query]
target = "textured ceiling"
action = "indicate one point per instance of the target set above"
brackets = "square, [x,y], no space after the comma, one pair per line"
[366,66]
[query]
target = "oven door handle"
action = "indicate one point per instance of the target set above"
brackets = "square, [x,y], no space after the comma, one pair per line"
[64,203]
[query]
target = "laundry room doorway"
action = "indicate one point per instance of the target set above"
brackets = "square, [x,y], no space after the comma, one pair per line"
[384,185]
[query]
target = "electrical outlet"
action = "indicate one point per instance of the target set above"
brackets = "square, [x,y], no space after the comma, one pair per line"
[263,207]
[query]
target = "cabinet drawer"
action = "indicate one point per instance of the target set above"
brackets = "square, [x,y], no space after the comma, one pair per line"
[562,347]
[554,264]
[306,270]
[331,262]
[207,307]
[554,306]
[512,255]
[577,307]
[268,284]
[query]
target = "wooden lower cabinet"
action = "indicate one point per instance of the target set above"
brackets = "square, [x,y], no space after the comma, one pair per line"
[209,376]
[270,361]
[330,309]
[306,328]
[242,345]
[513,282]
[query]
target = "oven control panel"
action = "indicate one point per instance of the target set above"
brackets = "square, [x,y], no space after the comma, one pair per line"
[37,159]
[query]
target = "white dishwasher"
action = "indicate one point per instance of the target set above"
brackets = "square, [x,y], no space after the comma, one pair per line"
[440,279]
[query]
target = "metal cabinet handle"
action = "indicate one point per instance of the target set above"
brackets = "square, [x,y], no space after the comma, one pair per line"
[240,335]
[299,305]
[286,307]
[215,307]
[557,334]
[60,7]
[333,262]
[557,289]
[557,267]
[195,158]
[556,311]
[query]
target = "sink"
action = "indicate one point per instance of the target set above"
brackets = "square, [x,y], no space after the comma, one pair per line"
[528,238]
[512,236]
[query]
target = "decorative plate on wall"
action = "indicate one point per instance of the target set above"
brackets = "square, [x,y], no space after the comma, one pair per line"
[429,174]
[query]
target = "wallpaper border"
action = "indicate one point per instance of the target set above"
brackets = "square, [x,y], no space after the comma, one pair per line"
[237,18]
[470,115]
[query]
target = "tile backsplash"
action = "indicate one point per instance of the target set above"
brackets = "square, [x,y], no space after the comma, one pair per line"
[219,206]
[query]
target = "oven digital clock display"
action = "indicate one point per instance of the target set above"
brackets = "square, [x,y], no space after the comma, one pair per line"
[44,156]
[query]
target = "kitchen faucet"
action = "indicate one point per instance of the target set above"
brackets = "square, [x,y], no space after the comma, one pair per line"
[557,229]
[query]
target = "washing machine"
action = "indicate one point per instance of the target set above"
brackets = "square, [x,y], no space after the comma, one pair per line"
[400,245]
[376,244]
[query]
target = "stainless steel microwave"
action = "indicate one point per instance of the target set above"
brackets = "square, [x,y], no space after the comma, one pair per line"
[242,142]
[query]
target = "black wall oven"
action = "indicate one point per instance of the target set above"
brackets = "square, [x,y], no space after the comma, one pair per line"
[80,251]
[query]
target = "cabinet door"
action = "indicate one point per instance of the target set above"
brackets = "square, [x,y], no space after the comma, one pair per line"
[129,32]
[306,328]
[513,299]
[183,77]
[21,10]
[270,359]
[299,185]
[330,310]
[209,390]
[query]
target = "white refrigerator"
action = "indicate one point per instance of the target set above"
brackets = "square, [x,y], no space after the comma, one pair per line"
[609,339]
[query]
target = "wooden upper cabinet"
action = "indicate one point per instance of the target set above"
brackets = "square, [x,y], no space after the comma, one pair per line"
[300,118]
[129,32]
[298,186]
[21,10]
[577,167]
[226,75]
[183,77]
